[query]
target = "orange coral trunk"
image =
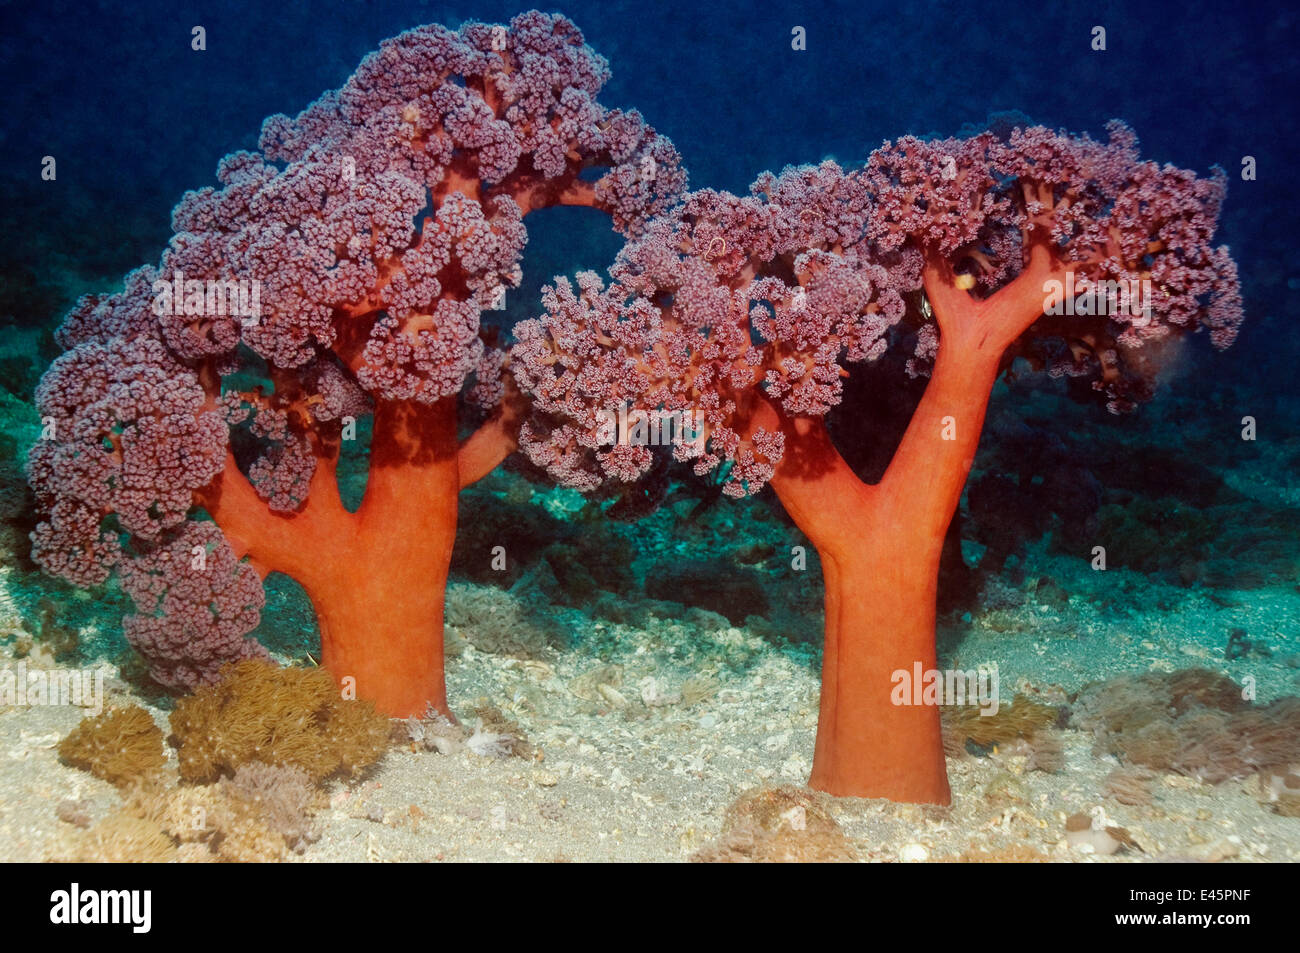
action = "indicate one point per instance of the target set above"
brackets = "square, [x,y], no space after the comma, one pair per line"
[867,746]
[381,609]
[381,627]
[880,545]
[375,577]
[880,580]
[880,548]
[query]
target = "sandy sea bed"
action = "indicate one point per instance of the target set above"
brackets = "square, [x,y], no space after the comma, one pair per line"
[643,768]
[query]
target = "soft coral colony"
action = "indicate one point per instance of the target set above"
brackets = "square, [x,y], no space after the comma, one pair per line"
[750,310]
[753,309]
[379,223]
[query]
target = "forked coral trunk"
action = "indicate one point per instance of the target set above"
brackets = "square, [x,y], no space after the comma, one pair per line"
[381,613]
[880,548]
[375,577]
[880,609]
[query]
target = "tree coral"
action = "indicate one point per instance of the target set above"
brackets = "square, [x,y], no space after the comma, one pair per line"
[122,745]
[278,716]
[339,271]
[746,313]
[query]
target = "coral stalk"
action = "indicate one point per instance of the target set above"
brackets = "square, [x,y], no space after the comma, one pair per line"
[880,548]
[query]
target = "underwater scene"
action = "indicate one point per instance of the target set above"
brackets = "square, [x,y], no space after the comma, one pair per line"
[649,432]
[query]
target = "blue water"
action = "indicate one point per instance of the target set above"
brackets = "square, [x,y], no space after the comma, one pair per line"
[1206,528]
[135,117]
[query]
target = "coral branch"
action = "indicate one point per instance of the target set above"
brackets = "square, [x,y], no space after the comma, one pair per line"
[495,439]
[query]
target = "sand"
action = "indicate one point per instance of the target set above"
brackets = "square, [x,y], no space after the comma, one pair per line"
[640,750]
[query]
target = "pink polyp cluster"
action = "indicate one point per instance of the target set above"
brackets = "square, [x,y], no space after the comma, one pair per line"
[564,452]
[1111,217]
[404,193]
[425,357]
[339,394]
[938,194]
[195,604]
[729,298]
[726,294]
[101,319]
[282,474]
[130,437]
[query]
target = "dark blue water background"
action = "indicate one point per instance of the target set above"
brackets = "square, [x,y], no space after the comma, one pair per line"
[135,117]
